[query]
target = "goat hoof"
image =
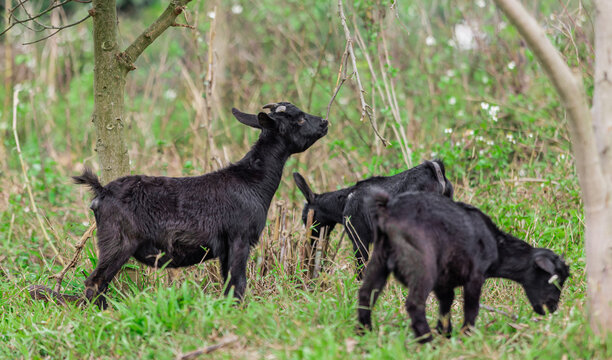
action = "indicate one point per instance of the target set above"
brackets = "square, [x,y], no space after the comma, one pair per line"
[362,329]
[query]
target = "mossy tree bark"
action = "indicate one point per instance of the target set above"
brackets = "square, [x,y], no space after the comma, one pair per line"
[591,137]
[111,68]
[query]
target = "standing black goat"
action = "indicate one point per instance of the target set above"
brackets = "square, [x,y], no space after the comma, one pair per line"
[346,206]
[183,221]
[431,243]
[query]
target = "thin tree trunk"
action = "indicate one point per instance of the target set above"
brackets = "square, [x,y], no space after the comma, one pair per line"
[590,137]
[8,73]
[109,87]
[599,218]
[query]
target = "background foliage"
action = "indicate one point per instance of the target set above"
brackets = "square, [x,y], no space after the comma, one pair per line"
[447,79]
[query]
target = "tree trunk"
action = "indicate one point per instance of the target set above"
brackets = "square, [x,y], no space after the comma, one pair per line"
[109,87]
[599,218]
[8,75]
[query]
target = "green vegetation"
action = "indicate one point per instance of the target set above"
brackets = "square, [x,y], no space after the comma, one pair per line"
[489,112]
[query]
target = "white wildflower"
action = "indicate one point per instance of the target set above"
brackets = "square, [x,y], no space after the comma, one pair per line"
[481,152]
[480,3]
[480,138]
[484,105]
[430,41]
[448,131]
[450,72]
[211,14]
[469,132]
[511,65]
[530,135]
[434,154]
[464,36]
[490,142]
[562,156]
[452,100]
[493,110]
[170,94]
[236,8]
[460,113]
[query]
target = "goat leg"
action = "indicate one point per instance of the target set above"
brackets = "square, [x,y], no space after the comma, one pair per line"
[445,297]
[471,303]
[374,281]
[112,257]
[361,236]
[235,262]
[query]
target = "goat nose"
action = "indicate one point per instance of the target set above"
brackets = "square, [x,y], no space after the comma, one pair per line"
[324,122]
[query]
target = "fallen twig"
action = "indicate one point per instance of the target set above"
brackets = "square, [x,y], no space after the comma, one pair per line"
[208,349]
[41,292]
[79,248]
[492,309]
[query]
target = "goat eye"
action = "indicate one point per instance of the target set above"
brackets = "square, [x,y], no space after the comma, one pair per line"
[301,121]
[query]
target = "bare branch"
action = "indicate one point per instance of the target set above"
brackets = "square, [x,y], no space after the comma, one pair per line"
[32,19]
[58,30]
[146,38]
[366,110]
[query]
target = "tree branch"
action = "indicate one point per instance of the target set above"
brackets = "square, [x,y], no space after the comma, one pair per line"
[58,29]
[32,18]
[146,38]
[365,108]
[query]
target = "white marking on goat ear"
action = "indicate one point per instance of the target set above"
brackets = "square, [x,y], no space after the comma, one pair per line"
[349,196]
[281,108]
[553,279]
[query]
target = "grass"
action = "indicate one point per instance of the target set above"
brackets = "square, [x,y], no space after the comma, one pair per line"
[500,130]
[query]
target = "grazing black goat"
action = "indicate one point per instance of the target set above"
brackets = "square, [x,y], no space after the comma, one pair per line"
[183,221]
[431,243]
[346,206]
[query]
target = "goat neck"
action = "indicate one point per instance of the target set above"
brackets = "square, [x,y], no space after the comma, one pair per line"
[264,164]
[513,259]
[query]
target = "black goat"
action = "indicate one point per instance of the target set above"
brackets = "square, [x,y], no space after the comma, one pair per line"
[345,206]
[183,221]
[431,243]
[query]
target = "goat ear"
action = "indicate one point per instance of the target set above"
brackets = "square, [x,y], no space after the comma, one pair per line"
[265,122]
[246,119]
[303,186]
[545,264]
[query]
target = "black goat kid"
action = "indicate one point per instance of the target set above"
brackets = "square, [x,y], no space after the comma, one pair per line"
[345,206]
[182,221]
[431,243]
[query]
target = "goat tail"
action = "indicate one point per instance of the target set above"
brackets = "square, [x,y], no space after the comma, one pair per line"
[90,179]
[377,203]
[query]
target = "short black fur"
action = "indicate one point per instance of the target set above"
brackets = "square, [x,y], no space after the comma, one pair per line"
[345,206]
[183,221]
[431,243]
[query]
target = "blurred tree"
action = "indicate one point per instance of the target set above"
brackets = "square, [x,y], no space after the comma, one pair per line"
[591,137]
[110,71]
